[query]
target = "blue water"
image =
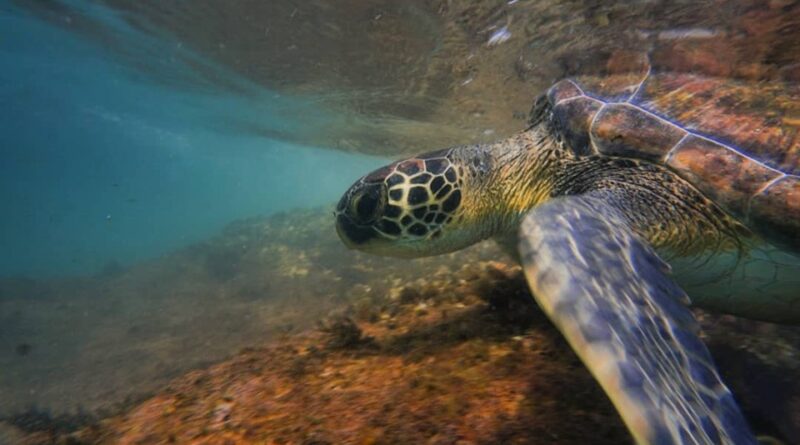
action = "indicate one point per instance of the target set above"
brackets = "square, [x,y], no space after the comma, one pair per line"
[101,161]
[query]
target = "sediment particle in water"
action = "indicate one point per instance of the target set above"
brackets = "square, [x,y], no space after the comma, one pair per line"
[23,349]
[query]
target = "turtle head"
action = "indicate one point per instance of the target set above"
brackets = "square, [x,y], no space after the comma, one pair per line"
[411,208]
[446,200]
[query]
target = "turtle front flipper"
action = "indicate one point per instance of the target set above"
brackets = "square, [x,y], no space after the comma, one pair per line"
[610,295]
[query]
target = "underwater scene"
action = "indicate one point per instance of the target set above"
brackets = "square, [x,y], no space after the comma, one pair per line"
[466,222]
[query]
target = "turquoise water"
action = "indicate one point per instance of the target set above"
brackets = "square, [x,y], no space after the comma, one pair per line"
[109,162]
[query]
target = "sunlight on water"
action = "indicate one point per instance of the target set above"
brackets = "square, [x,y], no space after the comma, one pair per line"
[104,166]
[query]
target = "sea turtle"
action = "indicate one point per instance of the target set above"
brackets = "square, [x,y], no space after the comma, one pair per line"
[614,180]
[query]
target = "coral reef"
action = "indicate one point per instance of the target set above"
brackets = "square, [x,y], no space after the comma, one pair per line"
[354,350]
[94,342]
[446,368]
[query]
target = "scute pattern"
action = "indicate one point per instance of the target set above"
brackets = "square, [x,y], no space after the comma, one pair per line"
[732,141]
[423,194]
[621,129]
[777,210]
[729,178]
[575,116]
[760,121]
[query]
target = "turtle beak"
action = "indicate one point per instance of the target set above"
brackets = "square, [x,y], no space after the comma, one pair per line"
[356,213]
[352,234]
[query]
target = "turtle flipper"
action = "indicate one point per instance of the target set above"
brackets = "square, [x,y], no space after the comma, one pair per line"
[611,296]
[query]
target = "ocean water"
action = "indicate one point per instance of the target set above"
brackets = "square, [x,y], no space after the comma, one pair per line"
[169,266]
[108,163]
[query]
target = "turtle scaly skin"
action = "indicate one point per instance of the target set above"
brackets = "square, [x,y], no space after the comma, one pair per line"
[505,180]
[613,177]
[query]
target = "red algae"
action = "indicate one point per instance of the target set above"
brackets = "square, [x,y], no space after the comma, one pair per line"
[458,375]
[451,350]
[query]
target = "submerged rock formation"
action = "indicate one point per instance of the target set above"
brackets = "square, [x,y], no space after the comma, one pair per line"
[361,350]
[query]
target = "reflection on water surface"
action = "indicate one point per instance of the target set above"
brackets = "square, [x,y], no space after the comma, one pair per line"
[420,74]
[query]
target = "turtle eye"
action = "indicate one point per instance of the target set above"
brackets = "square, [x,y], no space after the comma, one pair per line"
[367,204]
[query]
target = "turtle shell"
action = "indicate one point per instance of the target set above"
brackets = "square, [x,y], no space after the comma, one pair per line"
[738,143]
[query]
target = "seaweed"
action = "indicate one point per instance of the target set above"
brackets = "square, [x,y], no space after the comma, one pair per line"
[343,333]
[445,350]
